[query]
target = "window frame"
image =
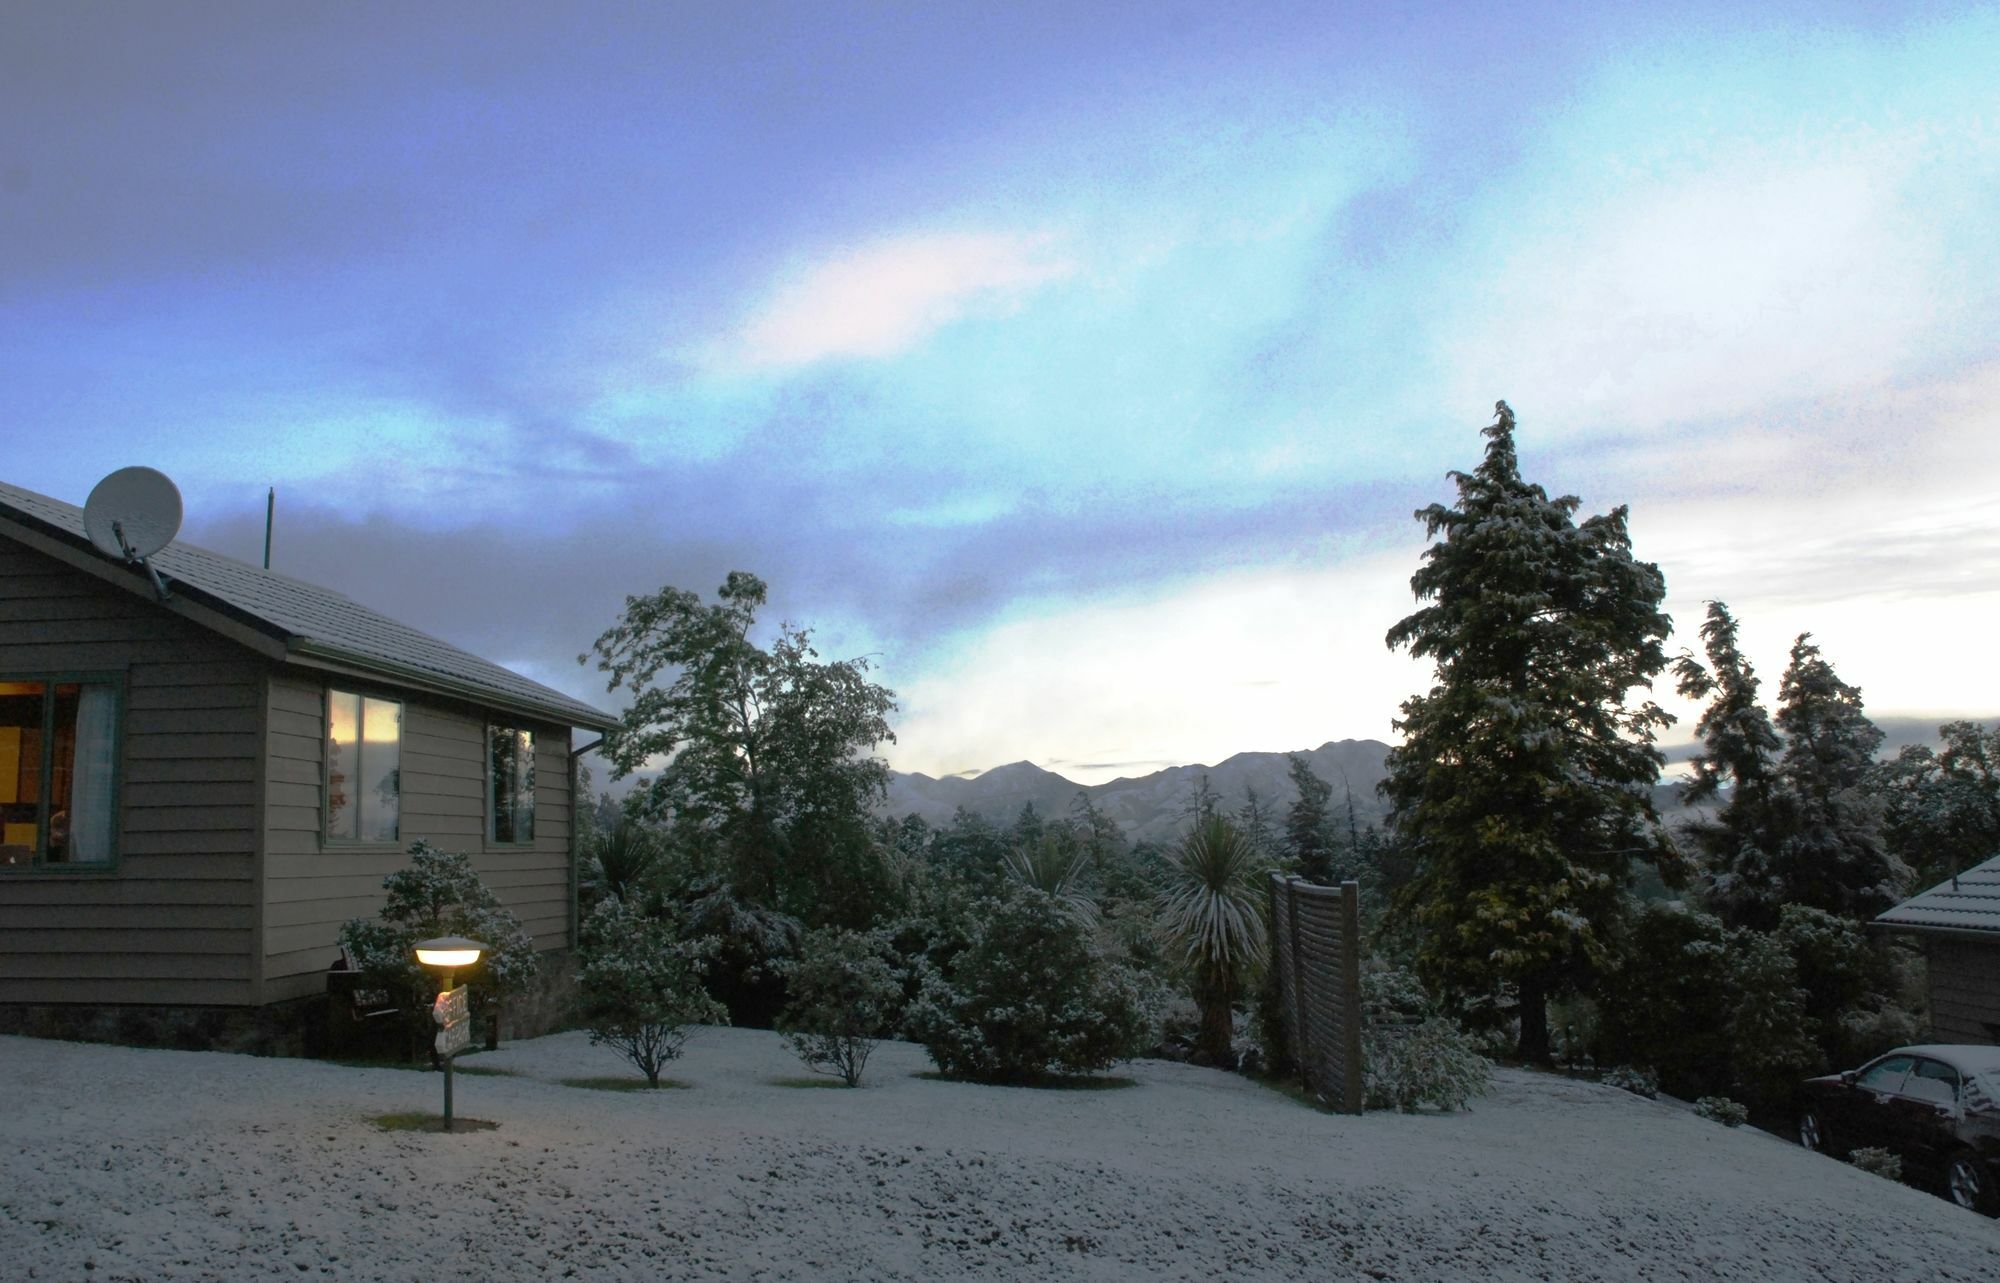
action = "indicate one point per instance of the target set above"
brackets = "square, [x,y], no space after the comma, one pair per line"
[493,729]
[39,863]
[363,693]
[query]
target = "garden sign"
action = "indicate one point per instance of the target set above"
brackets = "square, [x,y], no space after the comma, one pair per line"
[453,1014]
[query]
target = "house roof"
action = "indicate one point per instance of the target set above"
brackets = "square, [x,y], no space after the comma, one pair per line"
[314,625]
[1967,905]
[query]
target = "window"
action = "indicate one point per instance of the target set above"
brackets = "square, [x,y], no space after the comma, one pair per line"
[364,751]
[510,767]
[58,765]
[1934,1082]
[1886,1074]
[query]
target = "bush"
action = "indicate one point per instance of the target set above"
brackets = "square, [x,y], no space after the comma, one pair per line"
[1665,1000]
[1412,1055]
[640,986]
[1640,1082]
[1722,1110]
[845,994]
[1029,996]
[1881,1162]
[1432,1063]
[439,895]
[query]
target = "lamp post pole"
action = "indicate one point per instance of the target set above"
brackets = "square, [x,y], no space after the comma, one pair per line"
[450,1011]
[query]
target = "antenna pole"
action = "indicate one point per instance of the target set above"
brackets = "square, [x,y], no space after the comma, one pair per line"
[270,511]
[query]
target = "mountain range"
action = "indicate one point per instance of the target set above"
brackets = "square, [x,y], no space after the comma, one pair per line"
[1148,808]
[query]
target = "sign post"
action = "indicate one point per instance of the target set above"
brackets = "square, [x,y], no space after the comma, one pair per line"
[453,1014]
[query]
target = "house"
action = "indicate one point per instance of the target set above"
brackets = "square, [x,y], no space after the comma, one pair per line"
[197,791]
[1959,923]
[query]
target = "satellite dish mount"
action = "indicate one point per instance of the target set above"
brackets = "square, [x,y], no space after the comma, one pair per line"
[132,514]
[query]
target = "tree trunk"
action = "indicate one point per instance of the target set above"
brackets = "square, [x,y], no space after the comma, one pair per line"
[1534,1045]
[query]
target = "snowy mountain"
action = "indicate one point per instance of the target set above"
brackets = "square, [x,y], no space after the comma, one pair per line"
[1148,807]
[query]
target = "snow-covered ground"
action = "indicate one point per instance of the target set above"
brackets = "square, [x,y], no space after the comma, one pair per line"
[125,1164]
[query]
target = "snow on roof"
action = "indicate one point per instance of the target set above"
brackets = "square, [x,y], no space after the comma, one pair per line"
[316,622]
[1968,904]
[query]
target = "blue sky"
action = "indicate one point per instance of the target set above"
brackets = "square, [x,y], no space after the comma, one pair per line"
[1083,369]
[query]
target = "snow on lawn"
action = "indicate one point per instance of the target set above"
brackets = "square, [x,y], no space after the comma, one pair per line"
[157,1165]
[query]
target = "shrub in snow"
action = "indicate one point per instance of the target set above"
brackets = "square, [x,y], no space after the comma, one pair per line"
[1770,1031]
[1029,995]
[1723,1110]
[1665,999]
[1413,1056]
[1640,1082]
[640,987]
[1870,1158]
[439,895]
[845,993]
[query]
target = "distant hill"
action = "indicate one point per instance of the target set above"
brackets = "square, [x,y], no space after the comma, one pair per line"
[1149,808]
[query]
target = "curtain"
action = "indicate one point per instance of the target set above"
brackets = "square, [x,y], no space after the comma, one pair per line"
[90,817]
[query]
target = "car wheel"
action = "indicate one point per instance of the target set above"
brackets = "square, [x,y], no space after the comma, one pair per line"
[1812,1133]
[1967,1184]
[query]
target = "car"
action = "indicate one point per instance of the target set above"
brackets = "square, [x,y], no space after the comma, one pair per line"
[1935,1106]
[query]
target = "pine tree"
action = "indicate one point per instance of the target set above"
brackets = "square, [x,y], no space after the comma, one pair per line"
[1738,766]
[1308,841]
[1522,788]
[1832,855]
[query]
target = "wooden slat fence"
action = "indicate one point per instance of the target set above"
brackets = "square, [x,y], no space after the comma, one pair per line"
[1316,949]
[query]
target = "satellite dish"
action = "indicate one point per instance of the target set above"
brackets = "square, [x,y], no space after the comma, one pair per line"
[133,513]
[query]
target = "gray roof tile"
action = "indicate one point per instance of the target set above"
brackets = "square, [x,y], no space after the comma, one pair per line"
[1967,904]
[316,621]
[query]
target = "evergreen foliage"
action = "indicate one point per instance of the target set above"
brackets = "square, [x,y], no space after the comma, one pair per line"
[1770,1033]
[771,777]
[1666,1001]
[1521,792]
[640,986]
[1942,807]
[1308,824]
[845,994]
[1737,766]
[439,894]
[1027,996]
[1212,916]
[1413,1055]
[1722,1110]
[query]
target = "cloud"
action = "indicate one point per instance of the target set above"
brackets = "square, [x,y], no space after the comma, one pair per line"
[884,298]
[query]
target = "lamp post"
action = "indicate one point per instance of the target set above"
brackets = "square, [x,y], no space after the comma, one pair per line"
[447,954]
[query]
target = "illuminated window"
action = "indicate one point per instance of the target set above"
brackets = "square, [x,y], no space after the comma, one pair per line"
[364,752]
[58,767]
[510,766]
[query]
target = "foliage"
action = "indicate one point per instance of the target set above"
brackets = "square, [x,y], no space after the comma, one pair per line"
[770,769]
[1029,995]
[1522,788]
[1054,862]
[1832,855]
[1640,1082]
[620,862]
[1877,1161]
[1722,1110]
[1942,808]
[1212,916]
[1308,825]
[1738,765]
[1414,1056]
[1769,1031]
[640,987]
[439,894]
[1665,1000]
[1433,1063]
[845,995]
[753,945]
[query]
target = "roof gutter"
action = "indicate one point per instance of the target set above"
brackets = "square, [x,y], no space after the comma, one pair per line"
[1990,935]
[322,655]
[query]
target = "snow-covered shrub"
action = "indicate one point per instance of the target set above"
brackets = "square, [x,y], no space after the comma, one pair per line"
[1640,1082]
[1029,995]
[1770,1031]
[753,944]
[1432,1063]
[845,993]
[1664,1001]
[639,985]
[439,894]
[1722,1110]
[1871,1158]
[1414,1056]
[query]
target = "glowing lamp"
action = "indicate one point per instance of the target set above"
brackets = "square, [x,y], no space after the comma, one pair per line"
[449,953]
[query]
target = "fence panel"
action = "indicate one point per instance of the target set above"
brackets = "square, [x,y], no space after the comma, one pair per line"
[1316,949]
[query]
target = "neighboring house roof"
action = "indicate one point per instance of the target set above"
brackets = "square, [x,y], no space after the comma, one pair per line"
[314,624]
[1968,905]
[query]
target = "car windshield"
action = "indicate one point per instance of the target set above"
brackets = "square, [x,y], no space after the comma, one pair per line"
[1886,1074]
